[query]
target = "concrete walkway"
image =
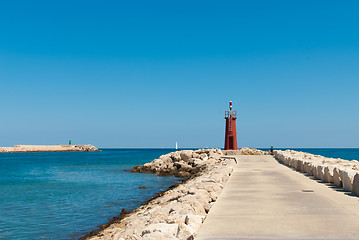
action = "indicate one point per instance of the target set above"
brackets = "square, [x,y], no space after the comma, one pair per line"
[266,200]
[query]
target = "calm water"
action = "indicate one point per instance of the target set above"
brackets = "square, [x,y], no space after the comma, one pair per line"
[344,153]
[64,195]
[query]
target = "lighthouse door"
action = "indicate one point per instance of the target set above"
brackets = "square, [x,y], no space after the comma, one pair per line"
[230,142]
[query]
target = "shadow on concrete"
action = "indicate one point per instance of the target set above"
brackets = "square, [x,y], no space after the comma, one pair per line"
[329,185]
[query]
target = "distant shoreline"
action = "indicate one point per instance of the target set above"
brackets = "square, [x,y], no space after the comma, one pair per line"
[48,148]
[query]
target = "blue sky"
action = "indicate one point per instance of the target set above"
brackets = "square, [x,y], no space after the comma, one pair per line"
[150,73]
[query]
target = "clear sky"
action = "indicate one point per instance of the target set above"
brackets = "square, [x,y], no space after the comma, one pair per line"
[150,73]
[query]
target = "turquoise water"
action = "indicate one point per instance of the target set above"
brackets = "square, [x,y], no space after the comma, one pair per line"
[64,195]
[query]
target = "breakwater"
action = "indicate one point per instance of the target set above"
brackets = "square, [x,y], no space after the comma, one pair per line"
[342,173]
[178,212]
[49,148]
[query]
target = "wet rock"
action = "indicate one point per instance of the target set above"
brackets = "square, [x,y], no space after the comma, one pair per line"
[182,174]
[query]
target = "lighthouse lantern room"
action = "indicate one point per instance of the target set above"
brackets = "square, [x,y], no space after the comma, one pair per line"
[231,131]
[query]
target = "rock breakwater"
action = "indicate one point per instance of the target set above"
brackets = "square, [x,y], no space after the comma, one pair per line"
[181,163]
[49,148]
[342,173]
[246,151]
[178,212]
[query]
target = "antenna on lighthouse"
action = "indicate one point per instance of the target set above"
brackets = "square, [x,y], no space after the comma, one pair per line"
[230,105]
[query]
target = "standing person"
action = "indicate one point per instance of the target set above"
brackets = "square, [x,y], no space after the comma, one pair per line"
[271,149]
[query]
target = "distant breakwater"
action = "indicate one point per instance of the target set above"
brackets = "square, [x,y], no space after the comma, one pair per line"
[48,148]
[178,212]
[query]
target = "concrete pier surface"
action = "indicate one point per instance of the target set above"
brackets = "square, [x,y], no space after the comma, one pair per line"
[264,199]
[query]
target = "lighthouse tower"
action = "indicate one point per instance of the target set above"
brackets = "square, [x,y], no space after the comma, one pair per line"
[230,142]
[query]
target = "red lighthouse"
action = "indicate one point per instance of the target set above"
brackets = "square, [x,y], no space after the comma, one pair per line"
[230,142]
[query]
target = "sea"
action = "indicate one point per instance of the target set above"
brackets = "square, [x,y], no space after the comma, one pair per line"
[343,153]
[64,195]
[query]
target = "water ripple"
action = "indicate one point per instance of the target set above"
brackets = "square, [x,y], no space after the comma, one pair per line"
[63,195]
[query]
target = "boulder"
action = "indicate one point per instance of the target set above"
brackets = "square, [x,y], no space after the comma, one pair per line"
[194,222]
[248,151]
[184,231]
[186,155]
[300,165]
[166,230]
[347,179]
[195,161]
[320,172]
[337,178]
[355,188]
[176,156]
[183,166]
[182,174]
[328,174]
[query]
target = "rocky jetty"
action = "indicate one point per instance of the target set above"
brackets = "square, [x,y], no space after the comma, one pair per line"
[178,212]
[49,148]
[249,151]
[181,163]
[246,151]
[342,173]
